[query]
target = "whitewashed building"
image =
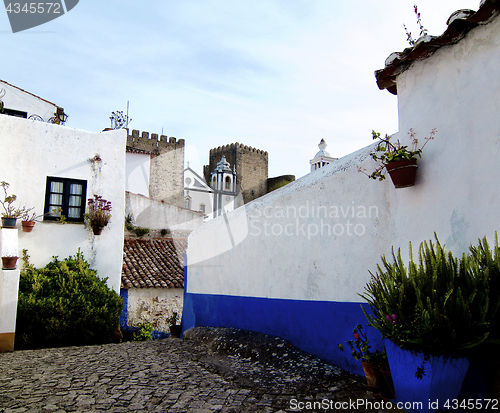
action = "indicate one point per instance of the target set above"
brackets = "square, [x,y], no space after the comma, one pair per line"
[293,261]
[17,102]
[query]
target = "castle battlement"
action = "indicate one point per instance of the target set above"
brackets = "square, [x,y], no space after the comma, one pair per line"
[160,143]
[233,146]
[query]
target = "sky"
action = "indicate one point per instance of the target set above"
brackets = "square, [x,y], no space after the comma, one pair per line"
[277,75]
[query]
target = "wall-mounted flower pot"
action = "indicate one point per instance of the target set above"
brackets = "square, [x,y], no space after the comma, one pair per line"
[97,230]
[403,172]
[9,222]
[28,225]
[9,263]
[441,382]
[175,331]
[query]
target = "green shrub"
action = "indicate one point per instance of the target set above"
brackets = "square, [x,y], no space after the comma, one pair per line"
[437,305]
[144,333]
[65,304]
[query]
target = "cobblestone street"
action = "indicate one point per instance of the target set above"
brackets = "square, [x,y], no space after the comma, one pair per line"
[213,370]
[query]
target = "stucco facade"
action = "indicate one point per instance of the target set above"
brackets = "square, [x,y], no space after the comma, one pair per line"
[18,102]
[297,258]
[34,151]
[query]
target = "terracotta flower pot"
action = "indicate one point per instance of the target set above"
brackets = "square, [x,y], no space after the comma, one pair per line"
[9,222]
[373,376]
[175,331]
[9,263]
[97,230]
[402,172]
[28,225]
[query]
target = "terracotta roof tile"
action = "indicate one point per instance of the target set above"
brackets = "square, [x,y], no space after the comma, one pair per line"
[153,263]
[459,24]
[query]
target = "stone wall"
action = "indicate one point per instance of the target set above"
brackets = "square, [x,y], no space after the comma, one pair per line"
[167,165]
[251,168]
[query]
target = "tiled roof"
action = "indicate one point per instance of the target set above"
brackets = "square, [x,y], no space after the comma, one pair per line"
[153,263]
[459,24]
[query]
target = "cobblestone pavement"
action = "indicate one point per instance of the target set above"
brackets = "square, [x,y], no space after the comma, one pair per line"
[213,370]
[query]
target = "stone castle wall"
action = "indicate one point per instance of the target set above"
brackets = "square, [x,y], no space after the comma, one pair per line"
[251,166]
[167,165]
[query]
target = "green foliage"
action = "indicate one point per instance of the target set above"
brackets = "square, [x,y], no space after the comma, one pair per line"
[64,304]
[360,348]
[139,231]
[388,151]
[144,333]
[438,305]
[165,231]
[172,320]
[489,263]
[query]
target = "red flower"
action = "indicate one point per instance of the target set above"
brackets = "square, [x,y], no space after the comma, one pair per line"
[356,336]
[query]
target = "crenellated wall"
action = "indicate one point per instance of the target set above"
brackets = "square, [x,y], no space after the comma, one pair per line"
[167,164]
[251,166]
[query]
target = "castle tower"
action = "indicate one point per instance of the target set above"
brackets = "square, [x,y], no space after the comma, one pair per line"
[166,175]
[322,158]
[250,165]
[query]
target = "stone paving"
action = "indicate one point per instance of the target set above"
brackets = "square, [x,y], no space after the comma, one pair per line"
[174,375]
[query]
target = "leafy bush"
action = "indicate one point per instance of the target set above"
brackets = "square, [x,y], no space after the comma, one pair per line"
[65,304]
[144,332]
[439,305]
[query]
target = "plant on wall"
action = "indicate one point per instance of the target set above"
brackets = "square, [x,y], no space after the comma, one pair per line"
[423,31]
[99,213]
[397,159]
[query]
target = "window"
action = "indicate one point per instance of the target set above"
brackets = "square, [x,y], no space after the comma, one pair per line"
[228,183]
[202,208]
[187,202]
[16,113]
[66,197]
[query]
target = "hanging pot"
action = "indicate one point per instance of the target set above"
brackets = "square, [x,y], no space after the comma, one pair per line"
[28,225]
[9,263]
[97,230]
[403,172]
[9,222]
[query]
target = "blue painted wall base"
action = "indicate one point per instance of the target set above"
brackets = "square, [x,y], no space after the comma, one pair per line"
[316,327]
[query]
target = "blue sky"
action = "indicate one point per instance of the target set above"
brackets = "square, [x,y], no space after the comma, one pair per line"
[278,75]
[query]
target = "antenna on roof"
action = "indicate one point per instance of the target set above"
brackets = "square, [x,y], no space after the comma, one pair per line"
[127,116]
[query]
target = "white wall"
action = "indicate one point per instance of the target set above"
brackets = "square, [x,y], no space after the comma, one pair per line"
[21,100]
[311,244]
[34,150]
[137,171]
[153,214]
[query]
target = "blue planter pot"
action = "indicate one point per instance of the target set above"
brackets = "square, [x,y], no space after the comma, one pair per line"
[441,383]
[9,222]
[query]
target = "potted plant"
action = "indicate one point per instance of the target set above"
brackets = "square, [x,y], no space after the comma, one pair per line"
[175,330]
[29,219]
[9,263]
[370,360]
[11,213]
[431,313]
[397,159]
[99,213]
